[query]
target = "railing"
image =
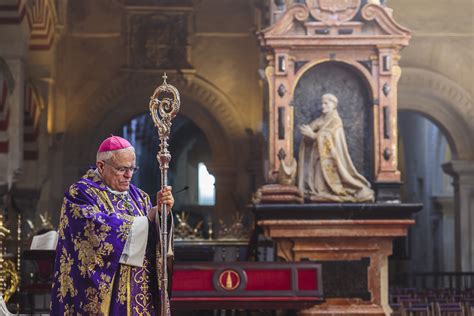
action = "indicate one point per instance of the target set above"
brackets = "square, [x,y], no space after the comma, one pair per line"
[424,280]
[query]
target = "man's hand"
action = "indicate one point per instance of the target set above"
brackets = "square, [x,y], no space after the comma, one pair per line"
[306,130]
[162,197]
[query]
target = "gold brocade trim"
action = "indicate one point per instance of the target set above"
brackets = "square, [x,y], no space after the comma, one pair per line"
[92,296]
[102,196]
[129,295]
[143,299]
[124,280]
[106,293]
[137,207]
[102,294]
[109,206]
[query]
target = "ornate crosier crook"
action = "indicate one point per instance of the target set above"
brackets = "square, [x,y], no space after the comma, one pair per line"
[163,111]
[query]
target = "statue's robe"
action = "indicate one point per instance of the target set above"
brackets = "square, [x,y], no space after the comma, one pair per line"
[325,169]
[94,274]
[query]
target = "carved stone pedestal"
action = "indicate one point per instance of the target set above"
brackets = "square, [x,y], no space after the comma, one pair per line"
[351,241]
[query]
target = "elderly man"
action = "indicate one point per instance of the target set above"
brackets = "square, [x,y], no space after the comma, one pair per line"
[106,253]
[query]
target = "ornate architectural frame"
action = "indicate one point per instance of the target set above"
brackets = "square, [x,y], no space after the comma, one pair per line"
[370,46]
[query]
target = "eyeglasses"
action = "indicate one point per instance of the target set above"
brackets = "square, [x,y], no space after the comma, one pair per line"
[122,169]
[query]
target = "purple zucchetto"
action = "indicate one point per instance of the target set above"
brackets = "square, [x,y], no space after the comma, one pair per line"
[114,143]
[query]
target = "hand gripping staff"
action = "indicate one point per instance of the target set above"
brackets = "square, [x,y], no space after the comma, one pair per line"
[164,105]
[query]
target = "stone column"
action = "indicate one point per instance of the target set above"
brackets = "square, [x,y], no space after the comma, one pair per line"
[444,205]
[462,172]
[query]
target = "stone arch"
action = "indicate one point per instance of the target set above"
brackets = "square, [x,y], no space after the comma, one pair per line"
[212,110]
[451,108]
[355,66]
[442,101]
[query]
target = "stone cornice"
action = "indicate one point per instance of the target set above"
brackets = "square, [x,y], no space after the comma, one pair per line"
[461,169]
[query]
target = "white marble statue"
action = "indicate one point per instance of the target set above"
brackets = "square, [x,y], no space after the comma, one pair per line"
[325,169]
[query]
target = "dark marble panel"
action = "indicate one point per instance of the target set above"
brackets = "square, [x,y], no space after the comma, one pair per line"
[355,108]
[346,279]
[336,211]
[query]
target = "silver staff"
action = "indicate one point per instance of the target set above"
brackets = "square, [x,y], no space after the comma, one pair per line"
[163,111]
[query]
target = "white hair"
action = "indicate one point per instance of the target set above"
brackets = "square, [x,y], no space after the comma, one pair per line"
[107,155]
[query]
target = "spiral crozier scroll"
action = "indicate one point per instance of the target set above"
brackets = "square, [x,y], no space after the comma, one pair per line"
[164,110]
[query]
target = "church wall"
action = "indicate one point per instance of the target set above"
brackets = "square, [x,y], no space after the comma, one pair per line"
[442,37]
[226,53]
[442,43]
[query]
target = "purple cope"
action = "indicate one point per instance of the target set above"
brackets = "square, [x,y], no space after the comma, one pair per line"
[88,278]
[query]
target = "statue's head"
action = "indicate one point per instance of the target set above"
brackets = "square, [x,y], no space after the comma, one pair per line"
[116,163]
[329,103]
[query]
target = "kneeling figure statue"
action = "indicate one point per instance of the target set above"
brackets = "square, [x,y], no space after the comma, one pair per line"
[326,172]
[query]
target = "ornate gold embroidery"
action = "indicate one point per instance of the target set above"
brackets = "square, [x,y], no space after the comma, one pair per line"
[92,248]
[143,299]
[126,217]
[73,190]
[65,280]
[124,230]
[104,198]
[68,310]
[123,282]
[64,221]
[92,297]
[327,147]
[329,166]
[104,287]
[100,204]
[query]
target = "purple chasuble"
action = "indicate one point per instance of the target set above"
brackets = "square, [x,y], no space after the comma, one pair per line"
[88,278]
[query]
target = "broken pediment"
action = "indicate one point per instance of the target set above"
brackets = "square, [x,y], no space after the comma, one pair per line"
[347,19]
